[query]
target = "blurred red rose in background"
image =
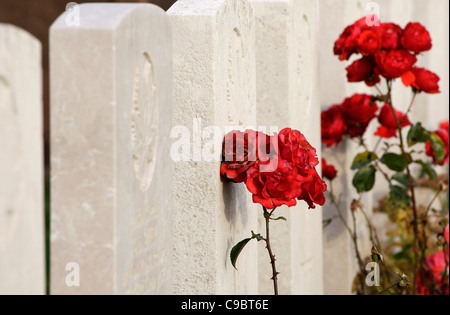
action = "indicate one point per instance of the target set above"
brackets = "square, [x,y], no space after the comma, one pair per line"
[416,38]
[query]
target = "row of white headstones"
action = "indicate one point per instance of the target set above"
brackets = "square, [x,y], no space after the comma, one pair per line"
[127,81]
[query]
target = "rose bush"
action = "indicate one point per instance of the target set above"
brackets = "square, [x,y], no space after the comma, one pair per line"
[386,53]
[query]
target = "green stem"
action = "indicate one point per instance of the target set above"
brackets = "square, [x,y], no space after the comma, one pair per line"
[411,187]
[432,201]
[375,163]
[411,104]
[390,287]
[352,234]
[267,216]
[372,231]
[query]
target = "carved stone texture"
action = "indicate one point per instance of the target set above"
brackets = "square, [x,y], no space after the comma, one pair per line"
[288,96]
[22,251]
[214,84]
[111,169]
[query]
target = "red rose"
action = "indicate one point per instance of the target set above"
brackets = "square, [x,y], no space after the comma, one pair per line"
[333,126]
[294,148]
[345,45]
[388,124]
[313,190]
[328,170]
[443,133]
[390,35]
[387,119]
[274,189]
[363,70]
[357,112]
[241,150]
[446,229]
[394,63]
[238,154]
[384,132]
[369,42]
[422,80]
[267,151]
[416,38]
[434,270]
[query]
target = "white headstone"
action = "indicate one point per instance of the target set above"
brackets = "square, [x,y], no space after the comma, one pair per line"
[111,97]
[340,273]
[214,85]
[288,96]
[22,247]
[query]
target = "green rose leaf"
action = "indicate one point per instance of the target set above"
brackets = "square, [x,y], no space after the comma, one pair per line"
[279,218]
[395,162]
[401,178]
[427,169]
[417,134]
[237,249]
[364,178]
[362,159]
[398,194]
[438,147]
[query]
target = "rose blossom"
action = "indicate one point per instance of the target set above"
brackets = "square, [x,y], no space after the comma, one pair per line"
[368,42]
[437,264]
[313,190]
[444,125]
[387,118]
[277,169]
[241,150]
[237,154]
[422,80]
[345,45]
[388,124]
[390,35]
[357,111]
[294,148]
[328,170]
[394,63]
[434,268]
[274,189]
[363,70]
[416,38]
[333,126]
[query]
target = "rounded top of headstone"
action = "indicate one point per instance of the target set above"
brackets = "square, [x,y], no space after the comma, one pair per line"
[15,32]
[195,7]
[98,15]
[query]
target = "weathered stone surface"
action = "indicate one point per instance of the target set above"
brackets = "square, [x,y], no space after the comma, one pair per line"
[111,96]
[22,249]
[214,75]
[288,96]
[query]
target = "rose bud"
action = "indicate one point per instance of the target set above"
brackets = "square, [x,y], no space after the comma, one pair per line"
[328,170]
